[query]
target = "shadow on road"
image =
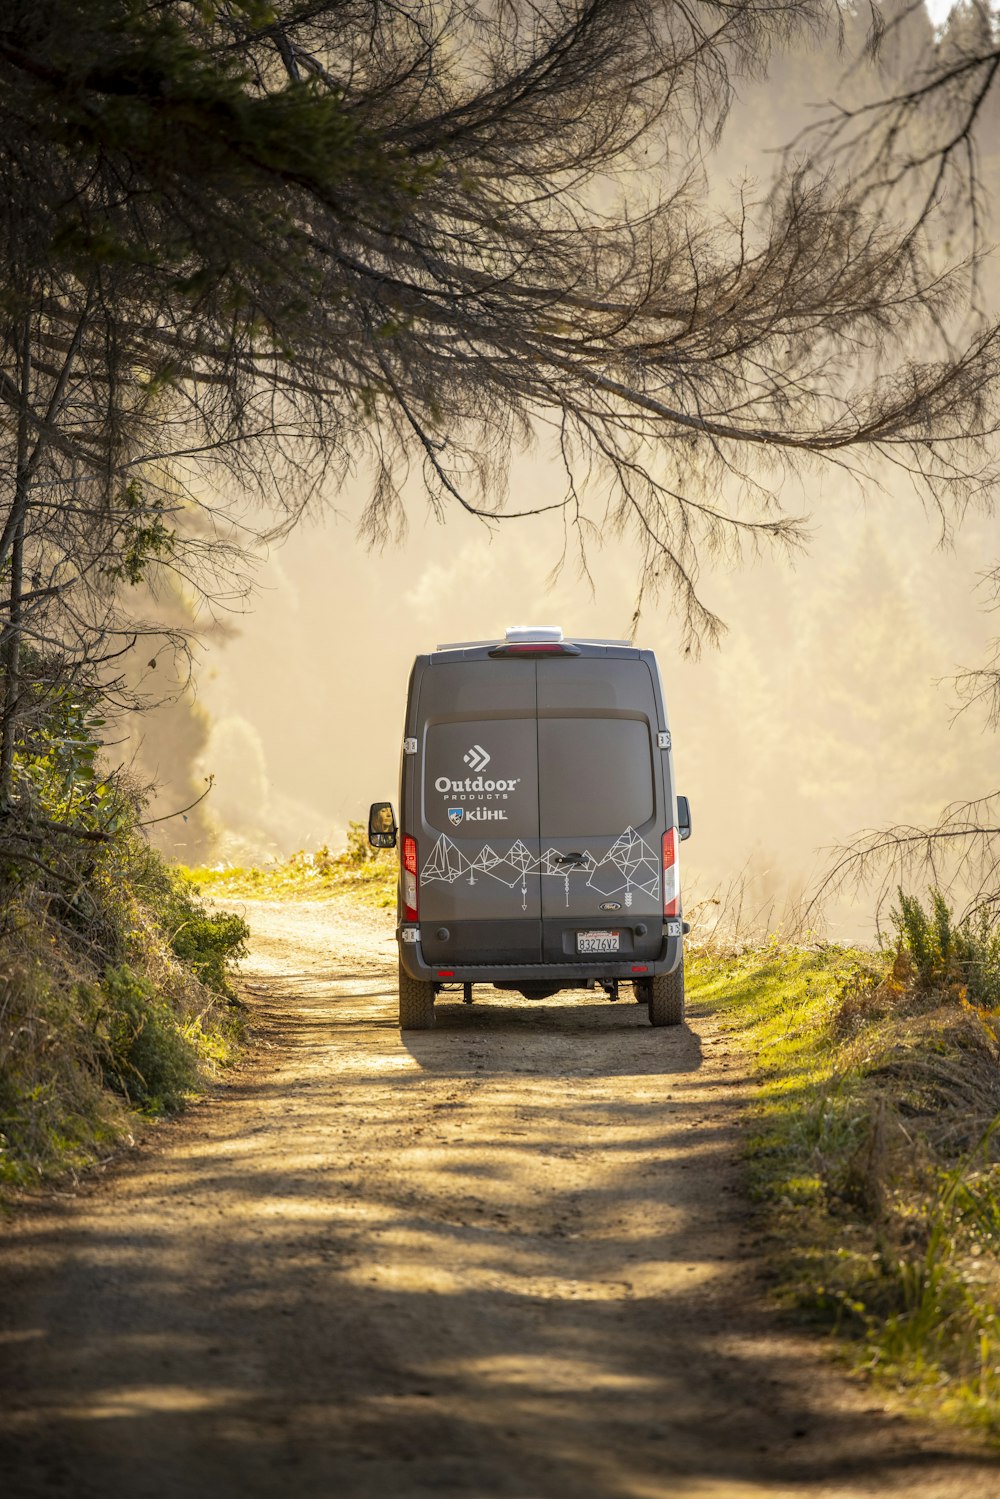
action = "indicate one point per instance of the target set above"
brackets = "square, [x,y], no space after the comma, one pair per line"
[581,1041]
[507,1259]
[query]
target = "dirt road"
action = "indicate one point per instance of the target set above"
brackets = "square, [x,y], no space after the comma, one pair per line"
[506,1257]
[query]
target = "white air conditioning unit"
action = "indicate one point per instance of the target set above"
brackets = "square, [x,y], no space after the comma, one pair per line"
[533,634]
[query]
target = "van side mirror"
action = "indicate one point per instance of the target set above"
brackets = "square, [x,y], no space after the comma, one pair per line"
[683,817]
[382,828]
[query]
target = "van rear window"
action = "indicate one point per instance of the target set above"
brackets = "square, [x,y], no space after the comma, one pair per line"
[595,776]
[480,777]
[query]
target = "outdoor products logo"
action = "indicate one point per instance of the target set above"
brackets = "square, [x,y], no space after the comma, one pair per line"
[476,791]
[444,784]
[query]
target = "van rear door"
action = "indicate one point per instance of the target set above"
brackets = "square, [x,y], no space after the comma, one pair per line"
[476,809]
[603,808]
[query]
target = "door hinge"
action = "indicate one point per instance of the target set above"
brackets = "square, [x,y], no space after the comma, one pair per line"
[409,746]
[663,739]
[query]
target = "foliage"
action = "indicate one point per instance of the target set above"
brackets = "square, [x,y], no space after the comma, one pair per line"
[872,1146]
[143,1053]
[143,536]
[115,989]
[107,1005]
[249,248]
[360,871]
[359,853]
[927,136]
[56,767]
[55,1113]
[960,958]
[267,243]
[208,942]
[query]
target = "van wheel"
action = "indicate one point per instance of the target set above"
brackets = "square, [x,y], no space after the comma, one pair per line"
[666,998]
[642,989]
[416,1002]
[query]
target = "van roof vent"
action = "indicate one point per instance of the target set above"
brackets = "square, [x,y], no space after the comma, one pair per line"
[533,634]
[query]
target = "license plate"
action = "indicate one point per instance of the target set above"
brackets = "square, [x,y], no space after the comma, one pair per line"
[597,941]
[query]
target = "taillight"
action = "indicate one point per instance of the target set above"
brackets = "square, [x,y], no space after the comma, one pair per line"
[535,648]
[409,878]
[671,874]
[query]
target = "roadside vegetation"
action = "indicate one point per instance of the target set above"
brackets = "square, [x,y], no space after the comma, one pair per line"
[365,873]
[115,990]
[874,1146]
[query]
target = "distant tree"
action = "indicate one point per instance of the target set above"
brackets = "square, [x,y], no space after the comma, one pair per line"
[922,141]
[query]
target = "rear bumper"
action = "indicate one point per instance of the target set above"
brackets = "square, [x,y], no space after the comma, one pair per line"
[570,974]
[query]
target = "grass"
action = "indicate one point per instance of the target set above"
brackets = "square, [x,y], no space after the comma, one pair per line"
[873,1148]
[116,994]
[115,1001]
[366,874]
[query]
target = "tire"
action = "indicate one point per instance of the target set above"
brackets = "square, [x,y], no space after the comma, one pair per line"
[416,1002]
[641,989]
[666,998]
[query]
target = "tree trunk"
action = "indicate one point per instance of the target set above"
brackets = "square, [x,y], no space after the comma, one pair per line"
[10,638]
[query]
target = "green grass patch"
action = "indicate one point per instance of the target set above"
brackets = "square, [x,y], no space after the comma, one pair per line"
[366,874]
[872,1148]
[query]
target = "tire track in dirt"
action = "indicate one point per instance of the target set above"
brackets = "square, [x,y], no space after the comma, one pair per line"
[510,1256]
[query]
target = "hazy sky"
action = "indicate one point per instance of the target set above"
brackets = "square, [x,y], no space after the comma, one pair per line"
[824,711]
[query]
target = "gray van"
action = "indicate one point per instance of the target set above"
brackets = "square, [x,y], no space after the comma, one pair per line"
[539,825]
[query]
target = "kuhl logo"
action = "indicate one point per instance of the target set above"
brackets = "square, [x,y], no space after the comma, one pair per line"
[455,815]
[477,758]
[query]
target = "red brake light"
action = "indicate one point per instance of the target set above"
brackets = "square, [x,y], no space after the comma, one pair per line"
[409,878]
[671,874]
[536,648]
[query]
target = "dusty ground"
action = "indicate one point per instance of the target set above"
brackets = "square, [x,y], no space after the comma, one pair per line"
[506,1257]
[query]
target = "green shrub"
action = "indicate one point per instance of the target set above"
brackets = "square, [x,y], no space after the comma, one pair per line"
[977,950]
[917,935]
[961,959]
[209,942]
[144,1054]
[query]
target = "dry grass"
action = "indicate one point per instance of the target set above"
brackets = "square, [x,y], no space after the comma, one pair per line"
[99,1014]
[747,912]
[874,1150]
